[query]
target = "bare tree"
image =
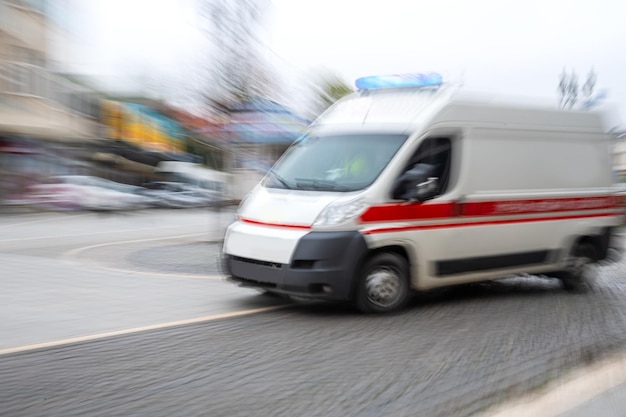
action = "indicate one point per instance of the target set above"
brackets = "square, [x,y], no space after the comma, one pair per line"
[236,70]
[572,90]
[562,88]
[589,86]
[327,90]
[569,91]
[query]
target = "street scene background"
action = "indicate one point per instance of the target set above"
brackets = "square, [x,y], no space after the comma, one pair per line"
[131,129]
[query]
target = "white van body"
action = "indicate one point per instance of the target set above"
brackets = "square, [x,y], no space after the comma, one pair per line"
[494,189]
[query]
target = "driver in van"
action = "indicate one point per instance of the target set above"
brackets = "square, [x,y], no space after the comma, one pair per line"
[357,166]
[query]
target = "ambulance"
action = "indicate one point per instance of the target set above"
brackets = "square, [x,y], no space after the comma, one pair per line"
[406,185]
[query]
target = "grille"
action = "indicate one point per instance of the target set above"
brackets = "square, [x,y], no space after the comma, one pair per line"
[273,265]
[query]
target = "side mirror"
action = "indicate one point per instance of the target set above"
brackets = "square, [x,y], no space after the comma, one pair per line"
[418,183]
[427,189]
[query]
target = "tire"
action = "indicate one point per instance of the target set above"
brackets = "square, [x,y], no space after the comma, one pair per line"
[577,277]
[383,284]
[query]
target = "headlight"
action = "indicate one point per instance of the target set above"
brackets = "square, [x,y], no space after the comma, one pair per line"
[340,211]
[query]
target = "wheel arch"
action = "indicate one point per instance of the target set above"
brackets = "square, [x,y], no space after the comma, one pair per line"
[399,249]
[599,243]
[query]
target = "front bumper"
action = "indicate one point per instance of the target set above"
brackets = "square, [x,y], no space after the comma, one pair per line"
[324,265]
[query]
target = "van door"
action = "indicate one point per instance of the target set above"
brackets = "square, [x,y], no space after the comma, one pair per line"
[427,220]
[454,243]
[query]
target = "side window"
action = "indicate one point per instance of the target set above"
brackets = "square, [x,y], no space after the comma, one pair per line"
[428,171]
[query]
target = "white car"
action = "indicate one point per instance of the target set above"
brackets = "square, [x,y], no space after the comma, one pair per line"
[177,194]
[76,192]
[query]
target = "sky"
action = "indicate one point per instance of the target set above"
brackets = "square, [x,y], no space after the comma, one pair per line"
[499,46]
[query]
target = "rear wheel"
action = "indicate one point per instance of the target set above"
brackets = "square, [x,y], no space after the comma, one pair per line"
[580,270]
[383,285]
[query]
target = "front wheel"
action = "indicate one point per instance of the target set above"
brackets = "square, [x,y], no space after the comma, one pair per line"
[383,284]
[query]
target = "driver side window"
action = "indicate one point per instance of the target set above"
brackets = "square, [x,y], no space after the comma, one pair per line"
[433,156]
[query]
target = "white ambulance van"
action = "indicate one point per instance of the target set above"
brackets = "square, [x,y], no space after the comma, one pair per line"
[405,186]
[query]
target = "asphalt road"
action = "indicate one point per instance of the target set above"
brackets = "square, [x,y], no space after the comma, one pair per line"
[451,353]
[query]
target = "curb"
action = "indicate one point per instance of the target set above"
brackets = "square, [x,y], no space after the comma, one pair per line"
[565,394]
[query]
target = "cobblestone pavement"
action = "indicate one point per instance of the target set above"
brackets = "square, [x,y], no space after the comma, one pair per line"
[452,353]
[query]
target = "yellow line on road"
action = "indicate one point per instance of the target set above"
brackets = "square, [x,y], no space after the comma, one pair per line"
[123,332]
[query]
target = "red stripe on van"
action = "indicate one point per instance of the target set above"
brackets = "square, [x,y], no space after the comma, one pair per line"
[407,211]
[427,211]
[508,207]
[282,225]
[486,223]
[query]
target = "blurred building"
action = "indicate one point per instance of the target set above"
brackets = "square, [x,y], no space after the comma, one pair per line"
[149,140]
[254,136]
[34,101]
[41,111]
[52,123]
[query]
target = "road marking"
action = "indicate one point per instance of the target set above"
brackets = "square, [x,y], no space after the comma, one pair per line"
[70,257]
[91,234]
[104,335]
[156,274]
[568,392]
[74,252]
[42,220]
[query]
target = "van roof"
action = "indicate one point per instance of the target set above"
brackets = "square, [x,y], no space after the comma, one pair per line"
[407,108]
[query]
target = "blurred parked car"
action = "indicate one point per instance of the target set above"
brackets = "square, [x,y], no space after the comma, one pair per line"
[180,195]
[76,192]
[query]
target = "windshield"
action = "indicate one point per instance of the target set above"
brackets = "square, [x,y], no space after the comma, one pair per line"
[346,162]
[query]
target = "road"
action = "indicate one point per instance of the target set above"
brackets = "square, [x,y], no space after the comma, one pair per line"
[71,275]
[127,315]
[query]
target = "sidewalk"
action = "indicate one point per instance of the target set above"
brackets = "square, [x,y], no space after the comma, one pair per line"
[595,390]
[611,403]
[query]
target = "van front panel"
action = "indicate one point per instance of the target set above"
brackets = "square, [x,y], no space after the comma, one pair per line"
[271,244]
[322,265]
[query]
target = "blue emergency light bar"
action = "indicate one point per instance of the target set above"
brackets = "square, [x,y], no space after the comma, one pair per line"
[430,79]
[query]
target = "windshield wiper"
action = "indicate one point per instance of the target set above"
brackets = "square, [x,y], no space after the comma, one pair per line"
[280,179]
[321,185]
